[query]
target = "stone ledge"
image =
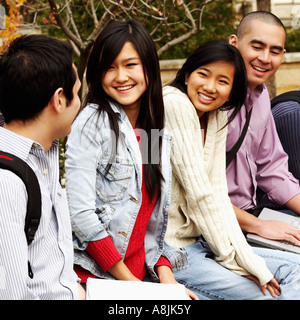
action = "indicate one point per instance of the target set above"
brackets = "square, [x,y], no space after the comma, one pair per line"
[287,77]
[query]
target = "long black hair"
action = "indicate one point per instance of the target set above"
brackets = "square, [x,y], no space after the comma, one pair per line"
[107,47]
[212,51]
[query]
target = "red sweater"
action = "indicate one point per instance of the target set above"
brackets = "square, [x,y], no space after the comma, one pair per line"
[106,255]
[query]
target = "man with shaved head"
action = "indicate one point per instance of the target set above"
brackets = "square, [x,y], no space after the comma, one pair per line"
[260,38]
[262,16]
[260,161]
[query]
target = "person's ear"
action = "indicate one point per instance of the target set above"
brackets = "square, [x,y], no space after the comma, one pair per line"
[186,78]
[57,100]
[283,53]
[233,40]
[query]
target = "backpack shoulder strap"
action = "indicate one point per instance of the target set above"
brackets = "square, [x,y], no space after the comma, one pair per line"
[23,170]
[230,155]
[287,96]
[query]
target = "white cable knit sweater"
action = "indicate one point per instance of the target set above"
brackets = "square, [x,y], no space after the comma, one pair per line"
[200,204]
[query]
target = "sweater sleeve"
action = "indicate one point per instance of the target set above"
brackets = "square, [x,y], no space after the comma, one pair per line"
[104,253]
[206,207]
[163,261]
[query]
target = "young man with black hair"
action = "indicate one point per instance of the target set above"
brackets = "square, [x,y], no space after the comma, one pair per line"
[38,100]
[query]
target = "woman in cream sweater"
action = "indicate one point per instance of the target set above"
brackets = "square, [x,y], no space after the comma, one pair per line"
[204,242]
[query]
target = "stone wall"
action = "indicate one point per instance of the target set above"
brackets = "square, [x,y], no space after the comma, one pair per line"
[169,68]
[287,77]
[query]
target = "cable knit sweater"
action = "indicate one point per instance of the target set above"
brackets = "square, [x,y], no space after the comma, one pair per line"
[200,203]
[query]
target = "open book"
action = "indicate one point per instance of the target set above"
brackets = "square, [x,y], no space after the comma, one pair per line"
[102,289]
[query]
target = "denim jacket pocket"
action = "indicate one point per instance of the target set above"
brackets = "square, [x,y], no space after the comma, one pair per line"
[111,186]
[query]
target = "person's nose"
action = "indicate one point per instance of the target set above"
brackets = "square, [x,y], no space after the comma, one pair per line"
[121,75]
[210,86]
[265,56]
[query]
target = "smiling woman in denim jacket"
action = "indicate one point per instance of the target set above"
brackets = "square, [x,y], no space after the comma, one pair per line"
[117,162]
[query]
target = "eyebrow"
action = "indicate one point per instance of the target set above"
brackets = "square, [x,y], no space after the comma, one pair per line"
[280,48]
[221,75]
[131,58]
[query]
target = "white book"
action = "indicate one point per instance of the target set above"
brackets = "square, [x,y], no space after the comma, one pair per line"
[102,289]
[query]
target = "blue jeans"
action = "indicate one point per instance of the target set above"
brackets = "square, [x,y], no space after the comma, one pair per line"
[210,281]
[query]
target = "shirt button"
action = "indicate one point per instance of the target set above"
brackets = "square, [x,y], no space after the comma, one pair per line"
[35,145]
[45,171]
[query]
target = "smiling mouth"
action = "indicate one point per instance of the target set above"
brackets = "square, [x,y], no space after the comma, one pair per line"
[259,69]
[124,88]
[205,98]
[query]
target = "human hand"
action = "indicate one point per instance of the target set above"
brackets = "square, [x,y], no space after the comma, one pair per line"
[272,286]
[120,271]
[166,275]
[191,294]
[278,230]
[81,292]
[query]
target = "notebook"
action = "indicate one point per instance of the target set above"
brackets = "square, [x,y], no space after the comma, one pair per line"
[103,289]
[268,214]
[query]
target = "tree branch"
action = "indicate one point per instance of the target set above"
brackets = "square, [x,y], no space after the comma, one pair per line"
[200,27]
[195,27]
[176,41]
[93,12]
[70,15]
[105,18]
[65,29]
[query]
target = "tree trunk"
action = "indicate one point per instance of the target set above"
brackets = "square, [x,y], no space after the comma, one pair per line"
[81,70]
[265,5]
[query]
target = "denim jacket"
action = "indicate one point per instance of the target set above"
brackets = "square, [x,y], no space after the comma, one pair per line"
[108,205]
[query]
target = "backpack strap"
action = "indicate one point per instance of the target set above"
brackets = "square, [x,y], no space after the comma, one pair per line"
[231,154]
[287,96]
[34,204]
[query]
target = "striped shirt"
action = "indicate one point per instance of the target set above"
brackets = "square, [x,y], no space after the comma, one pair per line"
[287,120]
[51,252]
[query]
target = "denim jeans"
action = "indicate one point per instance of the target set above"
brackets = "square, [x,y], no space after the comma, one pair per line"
[210,281]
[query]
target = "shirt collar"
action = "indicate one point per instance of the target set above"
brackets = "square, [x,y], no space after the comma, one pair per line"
[117,108]
[253,95]
[22,146]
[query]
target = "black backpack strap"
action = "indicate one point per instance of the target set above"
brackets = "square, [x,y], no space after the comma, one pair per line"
[34,204]
[231,154]
[287,96]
